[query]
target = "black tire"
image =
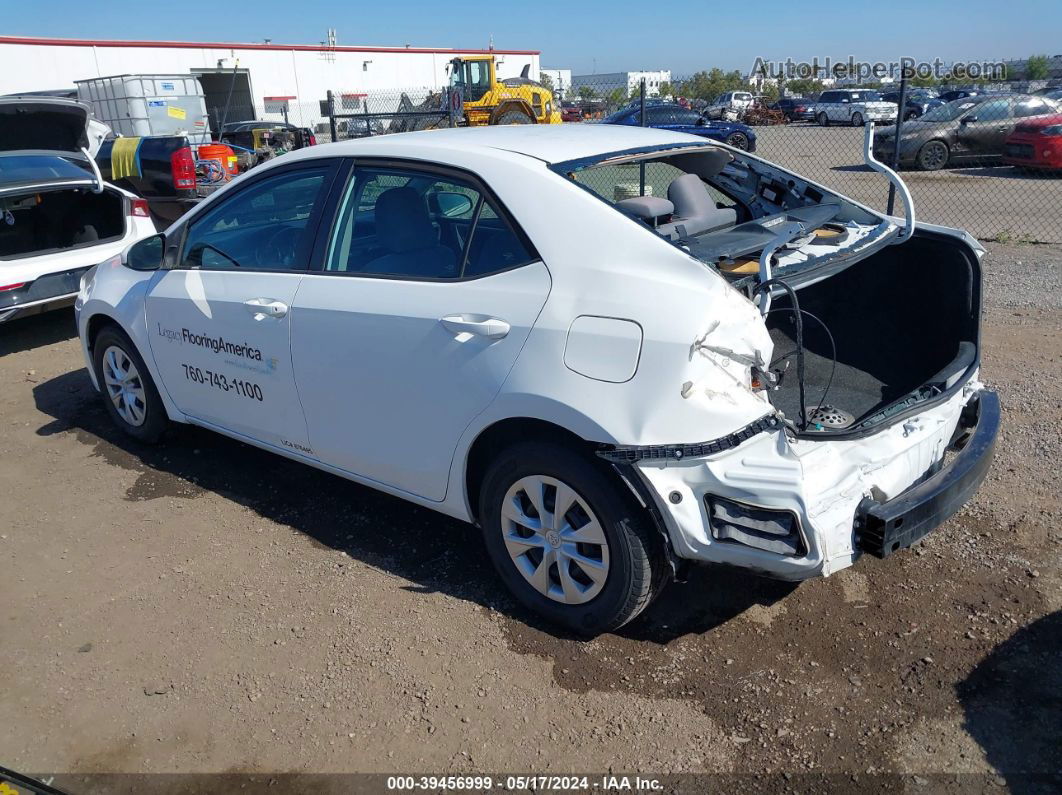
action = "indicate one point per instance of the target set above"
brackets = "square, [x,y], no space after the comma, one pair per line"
[738,141]
[911,114]
[857,119]
[155,422]
[823,119]
[932,156]
[514,117]
[637,567]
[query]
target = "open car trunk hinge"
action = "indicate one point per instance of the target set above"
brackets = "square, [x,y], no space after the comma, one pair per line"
[894,178]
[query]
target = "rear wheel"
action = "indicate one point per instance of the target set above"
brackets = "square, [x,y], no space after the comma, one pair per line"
[128,391]
[513,117]
[823,119]
[911,114]
[933,156]
[566,540]
[738,140]
[857,119]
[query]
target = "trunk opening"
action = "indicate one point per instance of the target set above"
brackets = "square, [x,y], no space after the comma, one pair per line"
[59,220]
[905,323]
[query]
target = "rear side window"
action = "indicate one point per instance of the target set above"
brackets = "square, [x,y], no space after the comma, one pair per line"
[418,225]
[264,226]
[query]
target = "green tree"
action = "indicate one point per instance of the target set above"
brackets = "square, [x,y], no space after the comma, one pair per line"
[618,97]
[545,80]
[1037,67]
[804,87]
[665,89]
[587,92]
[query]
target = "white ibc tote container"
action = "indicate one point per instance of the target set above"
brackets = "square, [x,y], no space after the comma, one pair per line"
[144,105]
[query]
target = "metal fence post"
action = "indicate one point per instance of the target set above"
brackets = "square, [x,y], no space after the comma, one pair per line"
[645,123]
[332,115]
[896,140]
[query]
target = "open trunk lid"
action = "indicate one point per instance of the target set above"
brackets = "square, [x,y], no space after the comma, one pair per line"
[48,144]
[48,124]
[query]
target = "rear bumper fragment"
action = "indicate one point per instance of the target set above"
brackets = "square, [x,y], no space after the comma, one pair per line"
[884,528]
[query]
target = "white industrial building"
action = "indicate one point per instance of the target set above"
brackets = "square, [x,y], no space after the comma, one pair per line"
[606,82]
[268,77]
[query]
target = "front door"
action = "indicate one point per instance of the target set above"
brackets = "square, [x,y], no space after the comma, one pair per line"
[427,295]
[220,320]
[985,128]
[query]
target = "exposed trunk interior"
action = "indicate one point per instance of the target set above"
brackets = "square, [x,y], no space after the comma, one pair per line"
[41,222]
[905,323]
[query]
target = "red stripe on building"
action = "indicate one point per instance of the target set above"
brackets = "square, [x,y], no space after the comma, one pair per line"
[215,45]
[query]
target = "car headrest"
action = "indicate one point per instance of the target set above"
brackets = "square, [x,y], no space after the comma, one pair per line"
[402,221]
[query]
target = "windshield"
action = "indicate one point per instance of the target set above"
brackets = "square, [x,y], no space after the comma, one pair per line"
[950,111]
[867,96]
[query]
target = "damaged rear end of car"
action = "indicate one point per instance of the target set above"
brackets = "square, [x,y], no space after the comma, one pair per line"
[874,426]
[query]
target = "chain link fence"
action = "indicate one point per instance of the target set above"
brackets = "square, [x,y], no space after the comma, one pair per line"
[985,158]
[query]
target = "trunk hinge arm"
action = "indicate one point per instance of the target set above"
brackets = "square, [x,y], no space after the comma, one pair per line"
[894,178]
[98,188]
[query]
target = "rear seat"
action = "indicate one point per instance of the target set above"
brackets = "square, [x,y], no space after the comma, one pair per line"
[695,210]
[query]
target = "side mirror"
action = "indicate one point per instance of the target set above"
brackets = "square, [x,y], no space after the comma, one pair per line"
[452,205]
[146,254]
[968,119]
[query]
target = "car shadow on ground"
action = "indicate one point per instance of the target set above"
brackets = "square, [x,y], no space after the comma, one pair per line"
[1010,172]
[1012,701]
[434,552]
[36,331]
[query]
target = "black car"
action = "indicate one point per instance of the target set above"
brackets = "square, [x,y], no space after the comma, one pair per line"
[970,130]
[794,108]
[916,104]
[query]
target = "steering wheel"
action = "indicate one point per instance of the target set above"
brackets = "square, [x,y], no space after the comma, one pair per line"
[279,248]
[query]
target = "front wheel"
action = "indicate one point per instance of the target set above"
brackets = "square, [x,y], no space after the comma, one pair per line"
[932,156]
[513,117]
[857,119]
[566,540]
[738,141]
[128,391]
[824,120]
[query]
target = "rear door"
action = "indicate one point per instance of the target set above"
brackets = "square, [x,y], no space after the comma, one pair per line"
[428,292]
[220,320]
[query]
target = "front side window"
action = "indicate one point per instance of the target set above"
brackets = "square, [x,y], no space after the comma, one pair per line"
[995,110]
[416,225]
[261,227]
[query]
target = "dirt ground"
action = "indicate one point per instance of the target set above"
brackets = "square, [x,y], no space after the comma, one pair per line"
[206,607]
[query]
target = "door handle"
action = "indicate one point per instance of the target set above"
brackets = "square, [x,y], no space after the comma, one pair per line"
[266,307]
[489,327]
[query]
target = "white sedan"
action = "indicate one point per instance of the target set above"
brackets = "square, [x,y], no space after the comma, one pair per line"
[514,326]
[58,218]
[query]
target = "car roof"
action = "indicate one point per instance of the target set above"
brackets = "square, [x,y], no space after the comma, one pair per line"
[551,143]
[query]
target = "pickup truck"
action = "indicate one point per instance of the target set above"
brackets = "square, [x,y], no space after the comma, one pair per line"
[158,168]
[162,168]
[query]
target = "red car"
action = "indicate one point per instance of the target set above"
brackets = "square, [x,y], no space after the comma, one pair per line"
[571,113]
[1036,143]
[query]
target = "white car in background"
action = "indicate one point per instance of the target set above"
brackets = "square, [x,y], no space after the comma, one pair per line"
[57,216]
[730,106]
[750,371]
[853,106]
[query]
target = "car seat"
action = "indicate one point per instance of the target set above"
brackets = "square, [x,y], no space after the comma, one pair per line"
[695,210]
[404,229]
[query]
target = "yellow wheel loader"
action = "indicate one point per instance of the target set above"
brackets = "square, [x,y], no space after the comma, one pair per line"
[481,98]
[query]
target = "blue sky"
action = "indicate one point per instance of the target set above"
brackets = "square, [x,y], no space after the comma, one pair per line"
[623,34]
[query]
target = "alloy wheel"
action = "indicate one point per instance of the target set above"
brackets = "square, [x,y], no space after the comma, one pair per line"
[554,539]
[124,386]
